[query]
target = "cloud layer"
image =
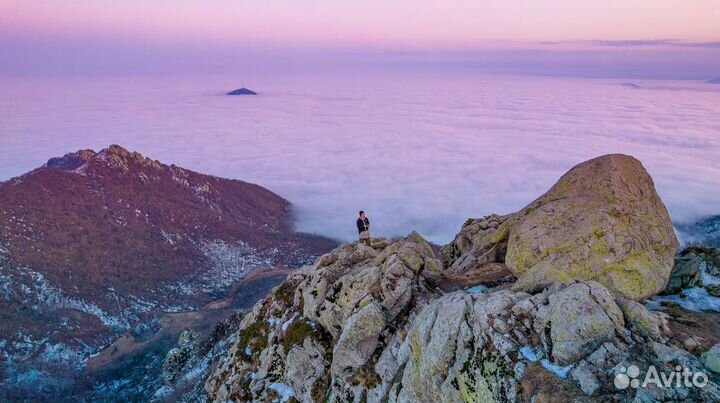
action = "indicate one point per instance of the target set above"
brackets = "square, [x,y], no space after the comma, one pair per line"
[416,151]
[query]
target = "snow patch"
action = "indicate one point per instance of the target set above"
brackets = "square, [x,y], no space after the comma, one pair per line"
[477,289]
[528,353]
[287,323]
[283,390]
[560,372]
[693,299]
[230,262]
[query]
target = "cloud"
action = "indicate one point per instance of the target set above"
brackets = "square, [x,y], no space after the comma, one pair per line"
[623,43]
[417,151]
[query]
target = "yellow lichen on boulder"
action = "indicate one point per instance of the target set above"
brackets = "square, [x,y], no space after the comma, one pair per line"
[602,221]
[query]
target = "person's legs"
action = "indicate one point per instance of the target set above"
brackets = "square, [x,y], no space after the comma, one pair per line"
[365,237]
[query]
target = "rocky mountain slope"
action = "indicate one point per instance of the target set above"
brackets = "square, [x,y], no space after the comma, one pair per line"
[95,243]
[549,312]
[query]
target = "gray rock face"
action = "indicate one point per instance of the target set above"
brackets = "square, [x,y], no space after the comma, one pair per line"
[305,366]
[358,340]
[580,317]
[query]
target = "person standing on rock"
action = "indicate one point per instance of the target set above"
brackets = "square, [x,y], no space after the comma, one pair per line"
[363,226]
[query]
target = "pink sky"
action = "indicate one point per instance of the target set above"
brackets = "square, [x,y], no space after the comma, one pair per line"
[388,24]
[666,38]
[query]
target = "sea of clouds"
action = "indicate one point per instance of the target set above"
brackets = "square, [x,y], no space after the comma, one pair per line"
[416,151]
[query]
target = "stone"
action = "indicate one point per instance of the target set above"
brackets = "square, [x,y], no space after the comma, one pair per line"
[685,273]
[357,341]
[711,359]
[690,344]
[602,221]
[640,319]
[581,317]
[305,366]
[585,378]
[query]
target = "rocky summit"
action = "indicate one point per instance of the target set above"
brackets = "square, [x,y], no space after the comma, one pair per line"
[368,324]
[387,322]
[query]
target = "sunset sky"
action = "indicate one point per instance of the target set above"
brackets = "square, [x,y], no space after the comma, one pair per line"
[44,34]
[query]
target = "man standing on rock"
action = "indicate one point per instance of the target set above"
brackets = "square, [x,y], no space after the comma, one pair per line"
[363,226]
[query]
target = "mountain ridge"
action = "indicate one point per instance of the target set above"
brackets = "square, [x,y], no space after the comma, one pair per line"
[92,241]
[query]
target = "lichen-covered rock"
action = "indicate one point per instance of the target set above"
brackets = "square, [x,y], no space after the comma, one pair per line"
[358,340]
[305,366]
[499,345]
[338,312]
[478,243]
[602,221]
[580,317]
[642,321]
[379,323]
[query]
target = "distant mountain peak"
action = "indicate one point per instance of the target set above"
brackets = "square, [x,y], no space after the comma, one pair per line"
[242,91]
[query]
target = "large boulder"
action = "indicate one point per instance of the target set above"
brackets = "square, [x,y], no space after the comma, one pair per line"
[602,221]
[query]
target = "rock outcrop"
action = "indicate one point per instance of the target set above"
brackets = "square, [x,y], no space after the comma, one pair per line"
[602,221]
[366,324]
[381,323]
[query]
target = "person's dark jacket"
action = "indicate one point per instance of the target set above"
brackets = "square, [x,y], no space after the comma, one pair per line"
[363,225]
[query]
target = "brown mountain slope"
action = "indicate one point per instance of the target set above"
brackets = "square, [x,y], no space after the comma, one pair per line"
[92,241]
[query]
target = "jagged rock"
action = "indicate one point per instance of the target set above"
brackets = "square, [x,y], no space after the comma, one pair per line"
[711,359]
[710,258]
[478,243]
[500,345]
[372,323]
[305,367]
[586,380]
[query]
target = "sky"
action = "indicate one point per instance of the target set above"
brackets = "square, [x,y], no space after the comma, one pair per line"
[84,36]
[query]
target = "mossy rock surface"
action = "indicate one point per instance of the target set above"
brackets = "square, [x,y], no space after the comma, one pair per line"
[602,221]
